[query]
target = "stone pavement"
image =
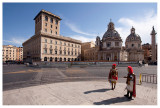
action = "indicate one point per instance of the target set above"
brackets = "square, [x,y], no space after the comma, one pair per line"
[79,93]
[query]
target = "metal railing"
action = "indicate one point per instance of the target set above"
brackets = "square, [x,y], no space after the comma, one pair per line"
[149,78]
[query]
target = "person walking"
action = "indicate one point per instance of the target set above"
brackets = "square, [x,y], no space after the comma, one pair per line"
[131,83]
[113,76]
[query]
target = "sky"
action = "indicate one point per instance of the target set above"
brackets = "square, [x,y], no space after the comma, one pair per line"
[82,21]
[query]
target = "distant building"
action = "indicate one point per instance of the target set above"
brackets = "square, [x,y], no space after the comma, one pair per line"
[85,46]
[19,54]
[147,52]
[47,44]
[107,49]
[110,47]
[134,47]
[9,52]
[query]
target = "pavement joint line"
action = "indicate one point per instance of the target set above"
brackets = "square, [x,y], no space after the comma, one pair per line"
[60,73]
[51,93]
[23,72]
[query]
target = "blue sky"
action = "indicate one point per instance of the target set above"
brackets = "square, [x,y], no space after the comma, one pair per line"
[82,21]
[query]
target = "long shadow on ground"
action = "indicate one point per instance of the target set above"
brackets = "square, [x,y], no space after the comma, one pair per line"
[112,101]
[99,90]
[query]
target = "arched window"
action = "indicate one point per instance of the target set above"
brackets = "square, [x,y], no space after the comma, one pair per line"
[132,45]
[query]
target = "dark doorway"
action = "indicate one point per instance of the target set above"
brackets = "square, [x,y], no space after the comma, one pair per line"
[60,59]
[51,59]
[45,58]
[56,59]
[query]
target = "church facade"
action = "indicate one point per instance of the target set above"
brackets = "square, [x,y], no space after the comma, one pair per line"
[133,47]
[110,48]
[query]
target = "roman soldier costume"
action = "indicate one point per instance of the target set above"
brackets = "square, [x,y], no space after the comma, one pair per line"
[131,83]
[113,76]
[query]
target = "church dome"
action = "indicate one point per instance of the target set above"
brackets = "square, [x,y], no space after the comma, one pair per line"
[133,36]
[111,32]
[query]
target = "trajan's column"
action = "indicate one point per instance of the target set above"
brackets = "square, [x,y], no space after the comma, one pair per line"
[153,35]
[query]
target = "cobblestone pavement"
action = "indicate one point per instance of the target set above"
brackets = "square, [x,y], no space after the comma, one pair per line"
[19,76]
[79,93]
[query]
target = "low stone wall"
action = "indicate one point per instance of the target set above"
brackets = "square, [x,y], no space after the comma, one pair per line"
[82,64]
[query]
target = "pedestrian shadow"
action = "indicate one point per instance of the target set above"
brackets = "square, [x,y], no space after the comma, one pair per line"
[99,90]
[112,101]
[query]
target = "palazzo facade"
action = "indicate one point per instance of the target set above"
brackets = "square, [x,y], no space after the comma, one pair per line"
[47,44]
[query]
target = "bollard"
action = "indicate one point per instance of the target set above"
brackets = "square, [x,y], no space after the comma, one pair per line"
[140,79]
[153,78]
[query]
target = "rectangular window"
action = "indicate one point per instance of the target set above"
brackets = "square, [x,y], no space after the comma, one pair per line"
[50,51]
[55,51]
[51,20]
[116,43]
[51,41]
[51,31]
[45,30]
[56,27]
[108,44]
[45,51]
[45,40]
[60,52]
[45,45]
[46,18]
[51,26]
[56,33]
[56,22]
[56,42]
[45,24]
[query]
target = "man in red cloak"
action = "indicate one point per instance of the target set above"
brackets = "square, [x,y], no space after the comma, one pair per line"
[131,83]
[113,76]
